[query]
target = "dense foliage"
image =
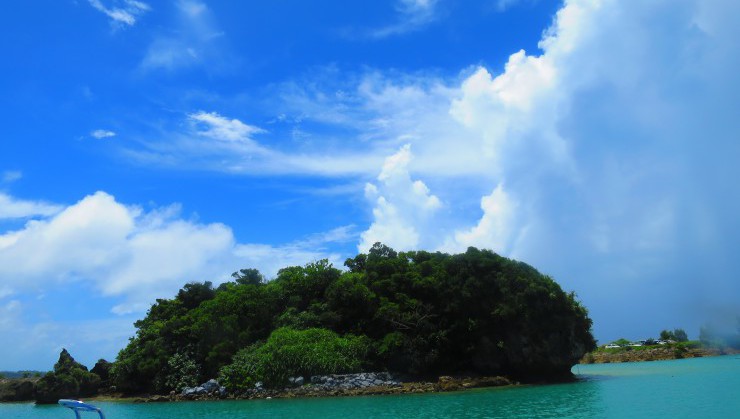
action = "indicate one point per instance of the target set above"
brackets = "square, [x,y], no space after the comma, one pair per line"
[70,379]
[416,313]
[679,335]
[289,352]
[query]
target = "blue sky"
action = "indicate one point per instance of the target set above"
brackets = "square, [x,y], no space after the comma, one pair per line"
[145,144]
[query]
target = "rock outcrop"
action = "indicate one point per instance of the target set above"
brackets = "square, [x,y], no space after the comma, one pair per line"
[209,389]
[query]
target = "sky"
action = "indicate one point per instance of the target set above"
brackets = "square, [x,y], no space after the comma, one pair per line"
[146,144]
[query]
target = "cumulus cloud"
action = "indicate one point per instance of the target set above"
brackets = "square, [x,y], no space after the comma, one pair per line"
[102,133]
[402,205]
[494,229]
[614,151]
[123,13]
[131,253]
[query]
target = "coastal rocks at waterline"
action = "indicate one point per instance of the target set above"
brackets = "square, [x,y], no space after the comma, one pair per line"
[367,383]
[209,389]
[353,381]
[360,384]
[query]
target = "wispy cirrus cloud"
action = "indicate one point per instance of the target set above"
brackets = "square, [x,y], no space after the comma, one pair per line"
[13,208]
[10,176]
[102,133]
[194,39]
[211,141]
[412,15]
[217,127]
[122,13]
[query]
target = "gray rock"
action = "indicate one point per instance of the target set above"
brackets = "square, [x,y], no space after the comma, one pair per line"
[210,386]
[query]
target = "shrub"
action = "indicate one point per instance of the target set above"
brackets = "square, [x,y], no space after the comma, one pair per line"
[290,352]
[182,372]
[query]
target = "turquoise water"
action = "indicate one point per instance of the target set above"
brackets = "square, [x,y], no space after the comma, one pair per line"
[691,388]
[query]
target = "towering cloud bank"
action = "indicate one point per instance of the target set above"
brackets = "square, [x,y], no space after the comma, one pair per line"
[610,155]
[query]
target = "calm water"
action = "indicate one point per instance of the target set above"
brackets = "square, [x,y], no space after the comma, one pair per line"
[692,388]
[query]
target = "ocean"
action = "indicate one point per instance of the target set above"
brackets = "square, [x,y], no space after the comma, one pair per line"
[690,388]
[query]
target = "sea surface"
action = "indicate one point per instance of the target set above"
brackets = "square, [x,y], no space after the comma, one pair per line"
[690,388]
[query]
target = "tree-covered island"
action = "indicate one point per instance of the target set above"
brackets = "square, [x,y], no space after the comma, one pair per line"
[418,315]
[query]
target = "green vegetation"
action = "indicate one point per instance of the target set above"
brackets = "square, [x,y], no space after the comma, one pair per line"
[19,374]
[289,352]
[69,379]
[692,344]
[678,335]
[417,313]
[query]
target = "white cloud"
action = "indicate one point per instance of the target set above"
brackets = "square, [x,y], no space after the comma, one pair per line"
[412,15]
[219,128]
[615,152]
[402,206]
[101,133]
[494,229]
[193,41]
[11,208]
[139,255]
[125,14]
[208,140]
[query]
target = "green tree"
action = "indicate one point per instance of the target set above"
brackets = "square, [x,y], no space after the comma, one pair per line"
[248,277]
[679,335]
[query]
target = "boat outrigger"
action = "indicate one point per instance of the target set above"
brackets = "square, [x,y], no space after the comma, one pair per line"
[78,406]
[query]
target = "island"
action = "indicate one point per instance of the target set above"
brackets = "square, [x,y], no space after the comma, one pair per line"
[673,344]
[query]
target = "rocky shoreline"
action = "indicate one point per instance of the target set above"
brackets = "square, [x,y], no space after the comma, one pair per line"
[360,384]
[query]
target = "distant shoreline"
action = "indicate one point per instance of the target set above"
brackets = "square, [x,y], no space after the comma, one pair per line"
[628,354]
